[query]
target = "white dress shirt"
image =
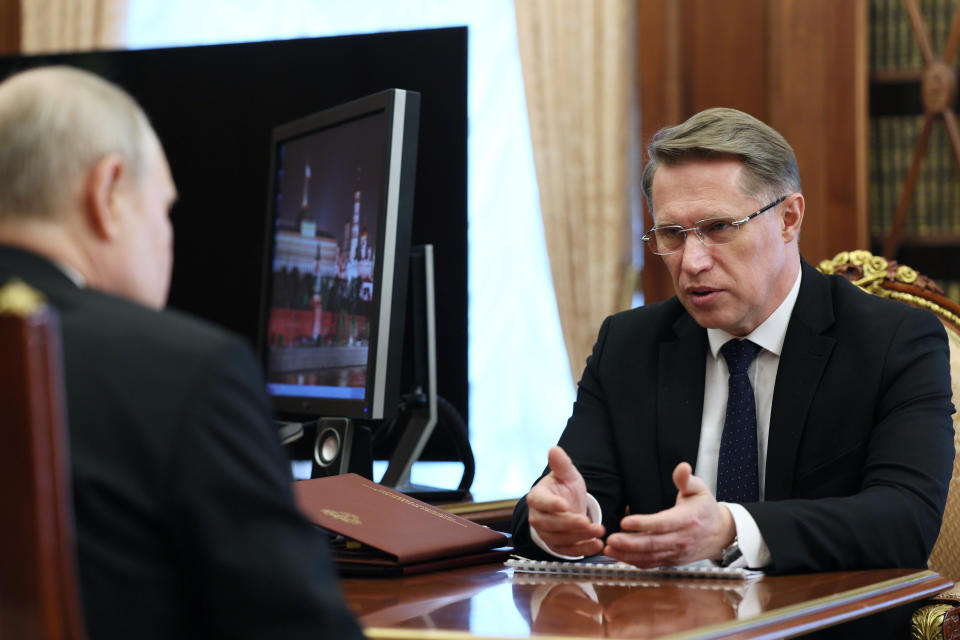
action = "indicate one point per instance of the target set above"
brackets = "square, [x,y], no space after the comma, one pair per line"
[763,376]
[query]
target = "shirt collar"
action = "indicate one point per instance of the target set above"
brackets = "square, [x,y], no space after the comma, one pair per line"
[75,276]
[771,332]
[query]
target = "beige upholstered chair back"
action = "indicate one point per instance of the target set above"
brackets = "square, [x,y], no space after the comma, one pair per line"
[887,279]
[945,558]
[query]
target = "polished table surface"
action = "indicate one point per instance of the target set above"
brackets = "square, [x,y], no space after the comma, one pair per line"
[493,602]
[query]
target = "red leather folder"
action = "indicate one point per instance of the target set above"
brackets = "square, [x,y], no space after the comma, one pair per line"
[381,531]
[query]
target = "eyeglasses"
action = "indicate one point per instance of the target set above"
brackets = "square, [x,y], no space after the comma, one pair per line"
[711,231]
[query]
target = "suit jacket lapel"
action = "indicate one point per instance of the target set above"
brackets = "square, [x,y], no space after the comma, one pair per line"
[802,362]
[680,400]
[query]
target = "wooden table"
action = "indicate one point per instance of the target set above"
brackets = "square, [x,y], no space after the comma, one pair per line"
[489,601]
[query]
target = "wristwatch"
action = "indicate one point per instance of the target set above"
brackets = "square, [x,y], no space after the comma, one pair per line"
[731,553]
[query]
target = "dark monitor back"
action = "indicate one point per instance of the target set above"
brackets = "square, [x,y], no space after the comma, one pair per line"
[214,108]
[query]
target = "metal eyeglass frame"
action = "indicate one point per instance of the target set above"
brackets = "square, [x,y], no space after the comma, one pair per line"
[696,228]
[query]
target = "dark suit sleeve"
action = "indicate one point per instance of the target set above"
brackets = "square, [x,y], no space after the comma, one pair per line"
[255,568]
[902,466]
[588,440]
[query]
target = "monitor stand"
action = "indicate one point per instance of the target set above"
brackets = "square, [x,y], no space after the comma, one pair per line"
[288,431]
[416,432]
[422,419]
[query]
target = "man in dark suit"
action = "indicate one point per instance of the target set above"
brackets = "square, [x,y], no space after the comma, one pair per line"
[836,453]
[186,525]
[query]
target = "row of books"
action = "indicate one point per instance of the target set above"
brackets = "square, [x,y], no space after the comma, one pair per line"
[893,45]
[935,206]
[951,288]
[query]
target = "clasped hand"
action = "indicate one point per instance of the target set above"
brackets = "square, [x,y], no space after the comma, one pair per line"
[695,528]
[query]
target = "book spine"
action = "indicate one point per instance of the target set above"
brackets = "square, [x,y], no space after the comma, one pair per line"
[873,195]
[877,12]
[902,49]
[925,182]
[939,178]
[952,289]
[903,156]
[880,152]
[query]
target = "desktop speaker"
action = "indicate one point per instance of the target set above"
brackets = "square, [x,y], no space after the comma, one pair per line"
[342,446]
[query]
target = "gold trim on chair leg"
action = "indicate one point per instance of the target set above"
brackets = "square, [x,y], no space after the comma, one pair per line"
[939,620]
[926,623]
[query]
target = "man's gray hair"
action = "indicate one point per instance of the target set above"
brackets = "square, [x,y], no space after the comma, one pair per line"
[771,167]
[56,123]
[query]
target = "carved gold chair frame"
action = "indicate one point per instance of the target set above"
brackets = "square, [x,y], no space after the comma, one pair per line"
[939,617]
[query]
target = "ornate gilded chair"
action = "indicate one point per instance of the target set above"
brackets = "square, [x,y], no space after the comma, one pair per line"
[39,595]
[940,617]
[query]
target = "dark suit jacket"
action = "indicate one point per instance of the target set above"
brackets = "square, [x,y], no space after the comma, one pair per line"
[861,442]
[185,520]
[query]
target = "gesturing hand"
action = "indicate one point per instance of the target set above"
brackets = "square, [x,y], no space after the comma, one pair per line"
[697,527]
[558,509]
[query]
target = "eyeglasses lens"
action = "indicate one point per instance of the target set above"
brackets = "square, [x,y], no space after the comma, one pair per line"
[717,230]
[711,231]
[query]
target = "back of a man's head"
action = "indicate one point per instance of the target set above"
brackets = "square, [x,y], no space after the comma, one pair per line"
[55,124]
[84,182]
[771,166]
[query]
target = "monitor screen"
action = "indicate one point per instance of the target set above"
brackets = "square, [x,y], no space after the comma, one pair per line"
[335,272]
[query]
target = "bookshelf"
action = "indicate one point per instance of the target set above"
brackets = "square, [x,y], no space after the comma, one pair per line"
[914,185]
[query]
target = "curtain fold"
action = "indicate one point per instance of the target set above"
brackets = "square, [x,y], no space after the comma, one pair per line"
[578,72]
[50,26]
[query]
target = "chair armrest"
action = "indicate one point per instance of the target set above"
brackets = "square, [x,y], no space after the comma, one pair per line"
[938,618]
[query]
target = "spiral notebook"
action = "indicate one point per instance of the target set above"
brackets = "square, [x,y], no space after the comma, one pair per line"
[603,566]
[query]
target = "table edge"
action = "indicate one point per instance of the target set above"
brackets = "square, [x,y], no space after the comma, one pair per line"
[719,630]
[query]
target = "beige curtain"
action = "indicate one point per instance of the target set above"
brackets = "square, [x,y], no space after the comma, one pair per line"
[50,26]
[578,71]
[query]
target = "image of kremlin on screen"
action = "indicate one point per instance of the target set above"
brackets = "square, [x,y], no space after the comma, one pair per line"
[323,268]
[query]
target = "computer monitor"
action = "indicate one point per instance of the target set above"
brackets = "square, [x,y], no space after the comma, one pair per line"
[336,258]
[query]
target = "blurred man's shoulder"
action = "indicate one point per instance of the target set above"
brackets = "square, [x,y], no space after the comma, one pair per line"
[124,322]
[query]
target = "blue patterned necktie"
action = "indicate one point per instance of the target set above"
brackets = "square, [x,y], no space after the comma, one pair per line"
[737,477]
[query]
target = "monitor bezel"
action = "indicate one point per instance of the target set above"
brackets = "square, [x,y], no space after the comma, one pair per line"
[395,215]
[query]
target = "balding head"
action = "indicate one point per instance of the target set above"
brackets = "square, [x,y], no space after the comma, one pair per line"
[84,181]
[55,124]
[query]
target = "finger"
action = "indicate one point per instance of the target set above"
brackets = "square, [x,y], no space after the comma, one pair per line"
[566,523]
[561,536]
[681,474]
[566,541]
[582,548]
[649,548]
[687,484]
[546,501]
[650,545]
[634,543]
[668,521]
[644,560]
[562,466]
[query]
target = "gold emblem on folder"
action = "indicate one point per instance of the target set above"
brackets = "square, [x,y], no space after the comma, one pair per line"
[342,516]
